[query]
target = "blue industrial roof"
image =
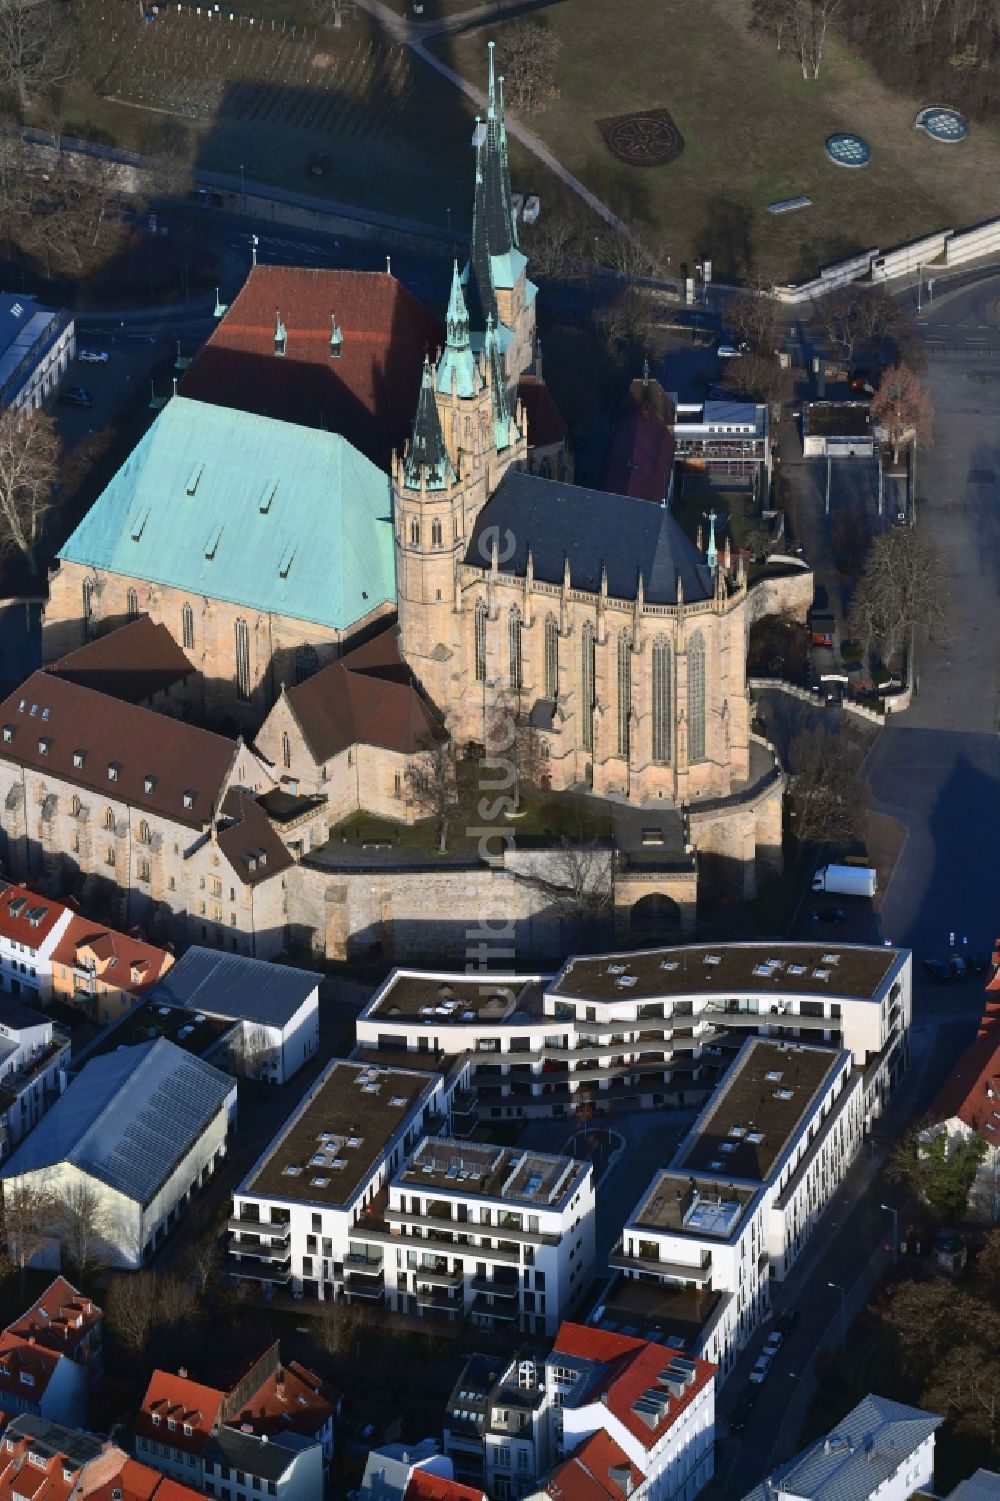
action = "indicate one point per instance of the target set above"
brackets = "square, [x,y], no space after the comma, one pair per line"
[236,988]
[128,1118]
[281,518]
[594,530]
[853,1461]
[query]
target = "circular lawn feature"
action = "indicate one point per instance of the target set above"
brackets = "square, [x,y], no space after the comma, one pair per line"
[847,150]
[647,139]
[942,123]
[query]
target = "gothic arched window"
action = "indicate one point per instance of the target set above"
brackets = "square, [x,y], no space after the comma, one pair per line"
[480,629]
[696,697]
[306,662]
[187,626]
[435,534]
[132,604]
[588,675]
[624,692]
[662,702]
[551,659]
[286,750]
[242,642]
[109,820]
[414,532]
[145,837]
[514,650]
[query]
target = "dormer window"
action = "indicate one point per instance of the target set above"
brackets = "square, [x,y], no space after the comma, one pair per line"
[189,798]
[336,339]
[156,1419]
[79,756]
[27,1379]
[171,1424]
[8,733]
[114,767]
[187,1430]
[280,334]
[44,745]
[149,783]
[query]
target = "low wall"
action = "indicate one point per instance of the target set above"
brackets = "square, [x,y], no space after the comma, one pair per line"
[969,244]
[946,246]
[894,704]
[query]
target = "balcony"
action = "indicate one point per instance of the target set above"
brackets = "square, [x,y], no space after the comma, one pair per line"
[505,1312]
[259,1250]
[266,1228]
[371,1288]
[438,1300]
[259,1270]
[405,1219]
[506,1287]
[439,1276]
[363,1266]
[672,1271]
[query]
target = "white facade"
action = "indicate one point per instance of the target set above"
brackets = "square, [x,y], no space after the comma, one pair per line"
[649,1028]
[33,1056]
[297,1222]
[38,344]
[500,1236]
[703,1229]
[675,1467]
[26,946]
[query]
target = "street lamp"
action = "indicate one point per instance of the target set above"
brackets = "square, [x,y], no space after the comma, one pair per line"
[843,1311]
[895,1231]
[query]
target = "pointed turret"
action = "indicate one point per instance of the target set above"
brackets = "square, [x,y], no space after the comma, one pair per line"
[712,553]
[427,463]
[496,259]
[481,292]
[456,373]
[493,360]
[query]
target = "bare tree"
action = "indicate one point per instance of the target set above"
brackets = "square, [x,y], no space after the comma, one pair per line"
[799,26]
[578,877]
[35,48]
[902,408]
[142,1302]
[828,791]
[553,245]
[63,213]
[526,56]
[904,586]
[29,467]
[514,750]
[82,1225]
[251,1052]
[863,322]
[755,316]
[29,1210]
[433,784]
[758,377]
[332,12]
[204,1257]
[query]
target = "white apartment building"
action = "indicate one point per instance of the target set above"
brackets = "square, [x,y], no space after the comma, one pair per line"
[743,1193]
[646,1029]
[30,929]
[302,1214]
[36,345]
[33,1057]
[501,1236]
[881,1448]
[727,437]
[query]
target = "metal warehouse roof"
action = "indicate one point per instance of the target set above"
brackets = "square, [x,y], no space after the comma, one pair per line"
[856,1458]
[236,988]
[128,1119]
[261,513]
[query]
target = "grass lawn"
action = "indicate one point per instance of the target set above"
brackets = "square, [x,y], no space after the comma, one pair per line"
[754,133]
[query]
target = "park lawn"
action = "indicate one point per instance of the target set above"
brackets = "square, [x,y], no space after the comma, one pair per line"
[754,133]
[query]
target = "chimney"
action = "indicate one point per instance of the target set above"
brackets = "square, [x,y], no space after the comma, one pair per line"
[182,1372]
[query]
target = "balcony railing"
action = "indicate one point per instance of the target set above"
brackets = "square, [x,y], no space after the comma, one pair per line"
[505,1288]
[258,1270]
[505,1311]
[671,1271]
[267,1228]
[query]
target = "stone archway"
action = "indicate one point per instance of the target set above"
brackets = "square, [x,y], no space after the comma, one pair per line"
[655,918]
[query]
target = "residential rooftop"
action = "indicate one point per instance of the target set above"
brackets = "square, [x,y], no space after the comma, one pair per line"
[757,1110]
[688,1205]
[338,1134]
[484,1171]
[664,1312]
[805,969]
[448,999]
[838,419]
[150,1019]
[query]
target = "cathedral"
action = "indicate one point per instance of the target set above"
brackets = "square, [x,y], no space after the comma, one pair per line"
[592,614]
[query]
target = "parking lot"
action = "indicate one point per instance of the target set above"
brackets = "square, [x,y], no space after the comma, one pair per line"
[113,386]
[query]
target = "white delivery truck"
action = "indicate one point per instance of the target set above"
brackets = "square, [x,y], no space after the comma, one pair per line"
[845,880]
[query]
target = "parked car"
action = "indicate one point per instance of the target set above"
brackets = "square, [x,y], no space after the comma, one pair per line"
[76,396]
[786,1322]
[93,356]
[829,914]
[773,1343]
[731,351]
[938,970]
[978,963]
[759,1373]
[740,1415]
[958,966]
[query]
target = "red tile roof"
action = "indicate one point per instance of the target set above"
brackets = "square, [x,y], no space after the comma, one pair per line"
[424,1486]
[178,1399]
[127,962]
[586,1474]
[133,663]
[68,718]
[16,902]
[116,1472]
[367,698]
[60,1319]
[972,1092]
[290,1399]
[630,1367]
[368,393]
[546,424]
[25,1367]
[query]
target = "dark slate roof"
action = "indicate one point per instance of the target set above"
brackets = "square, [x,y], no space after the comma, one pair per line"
[267,1458]
[236,988]
[594,529]
[546,423]
[427,449]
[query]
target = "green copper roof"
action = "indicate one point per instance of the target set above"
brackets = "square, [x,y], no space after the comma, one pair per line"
[501,408]
[458,362]
[262,513]
[507,268]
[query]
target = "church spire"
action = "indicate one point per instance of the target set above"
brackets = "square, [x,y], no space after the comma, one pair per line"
[494,228]
[427,464]
[493,359]
[457,373]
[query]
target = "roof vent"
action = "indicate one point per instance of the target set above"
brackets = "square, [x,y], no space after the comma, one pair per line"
[336,339]
[193,478]
[267,496]
[280,333]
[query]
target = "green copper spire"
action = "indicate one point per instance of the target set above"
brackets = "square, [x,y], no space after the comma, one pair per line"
[427,459]
[457,371]
[493,354]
